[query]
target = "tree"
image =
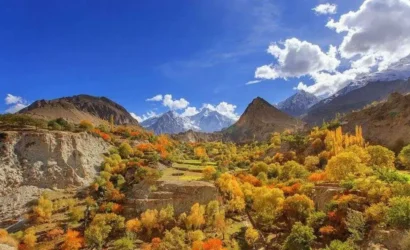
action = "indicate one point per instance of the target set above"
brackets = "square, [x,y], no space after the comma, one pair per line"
[311,162]
[381,157]
[101,227]
[355,223]
[292,169]
[404,156]
[398,214]
[267,202]
[196,218]
[133,225]
[376,213]
[125,150]
[251,236]
[298,207]
[259,167]
[76,214]
[344,165]
[72,241]
[209,173]
[174,240]
[212,244]
[300,238]
[338,245]
[43,210]
[149,220]
[124,244]
[29,238]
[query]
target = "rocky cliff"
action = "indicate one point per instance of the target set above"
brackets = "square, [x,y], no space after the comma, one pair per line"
[32,161]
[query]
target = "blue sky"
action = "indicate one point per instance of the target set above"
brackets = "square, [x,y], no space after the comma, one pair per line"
[202,51]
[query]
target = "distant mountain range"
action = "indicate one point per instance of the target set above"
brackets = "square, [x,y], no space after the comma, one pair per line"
[80,107]
[206,120]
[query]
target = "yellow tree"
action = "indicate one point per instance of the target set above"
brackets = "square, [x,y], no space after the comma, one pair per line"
[196,218]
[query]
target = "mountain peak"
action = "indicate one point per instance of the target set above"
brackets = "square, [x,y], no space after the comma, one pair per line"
[299,103]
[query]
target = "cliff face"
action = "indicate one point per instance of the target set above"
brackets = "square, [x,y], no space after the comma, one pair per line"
[36,160]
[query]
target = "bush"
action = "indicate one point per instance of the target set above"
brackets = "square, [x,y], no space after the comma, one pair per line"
[311,162]
[356,223]
[298,207]
[300,238]
[251,236]
[209,173]
[398,214]
[338,245]
[125,150]
[86,125]
[259,167]
[123,244]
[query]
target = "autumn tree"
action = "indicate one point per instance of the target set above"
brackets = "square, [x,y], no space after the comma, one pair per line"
[72,240]
[43,210]
[311,162]
[29,238]
[267,202]
[292,169]
[398,214]
[212,244]
[86,125]
[209,172]
[381,157]
[344,165]
[298,207]
[125,150]
[101,227]
[251,236]
[124,243]
[196,218]
[174,240]
[133,225]
[149,220]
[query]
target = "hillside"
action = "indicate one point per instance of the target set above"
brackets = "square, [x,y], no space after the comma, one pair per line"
[259,120]
[354,100]
[386,123]
[78,108]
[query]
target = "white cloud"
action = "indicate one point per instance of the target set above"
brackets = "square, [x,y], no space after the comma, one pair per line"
[12,99]
[253,82]
[174,104]
[136,117]
[224,108]
[16,103]
[325,9]
[156,98]
[378,31]
[298,58]
[190,111]
[144,117]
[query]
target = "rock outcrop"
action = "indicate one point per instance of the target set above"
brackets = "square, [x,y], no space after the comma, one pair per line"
[181,194]
[31,161]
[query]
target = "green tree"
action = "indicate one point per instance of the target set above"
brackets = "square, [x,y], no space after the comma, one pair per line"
[300,238]
[381,157]
[125,150]
[404,156]
[292,169]
[398,215]
[174,240]
[124,244]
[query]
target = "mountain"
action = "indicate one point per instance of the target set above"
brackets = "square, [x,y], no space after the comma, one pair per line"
[354,100]
[172,123]
[298,103]
[397,71]
[78,108]
[210,120]
[169,123]
[385,123]
[259,120]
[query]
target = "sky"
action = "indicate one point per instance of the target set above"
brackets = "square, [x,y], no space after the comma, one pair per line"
[153,56]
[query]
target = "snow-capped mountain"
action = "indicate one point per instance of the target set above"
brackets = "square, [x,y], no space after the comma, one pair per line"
[397,71]
[210,120]
[172,123]
[298,103]
[169,123]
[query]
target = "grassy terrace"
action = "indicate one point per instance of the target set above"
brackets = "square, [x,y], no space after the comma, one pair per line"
[171,174]
[192,165]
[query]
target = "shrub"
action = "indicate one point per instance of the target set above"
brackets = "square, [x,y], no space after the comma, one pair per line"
[376,213]
[43,210]
[86,125]
[338,245]
[174,239]
[300,238]
[259,167]
[356,223]
[54,233]
[311,162]
[316,220]
[72,241]
[125,150]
